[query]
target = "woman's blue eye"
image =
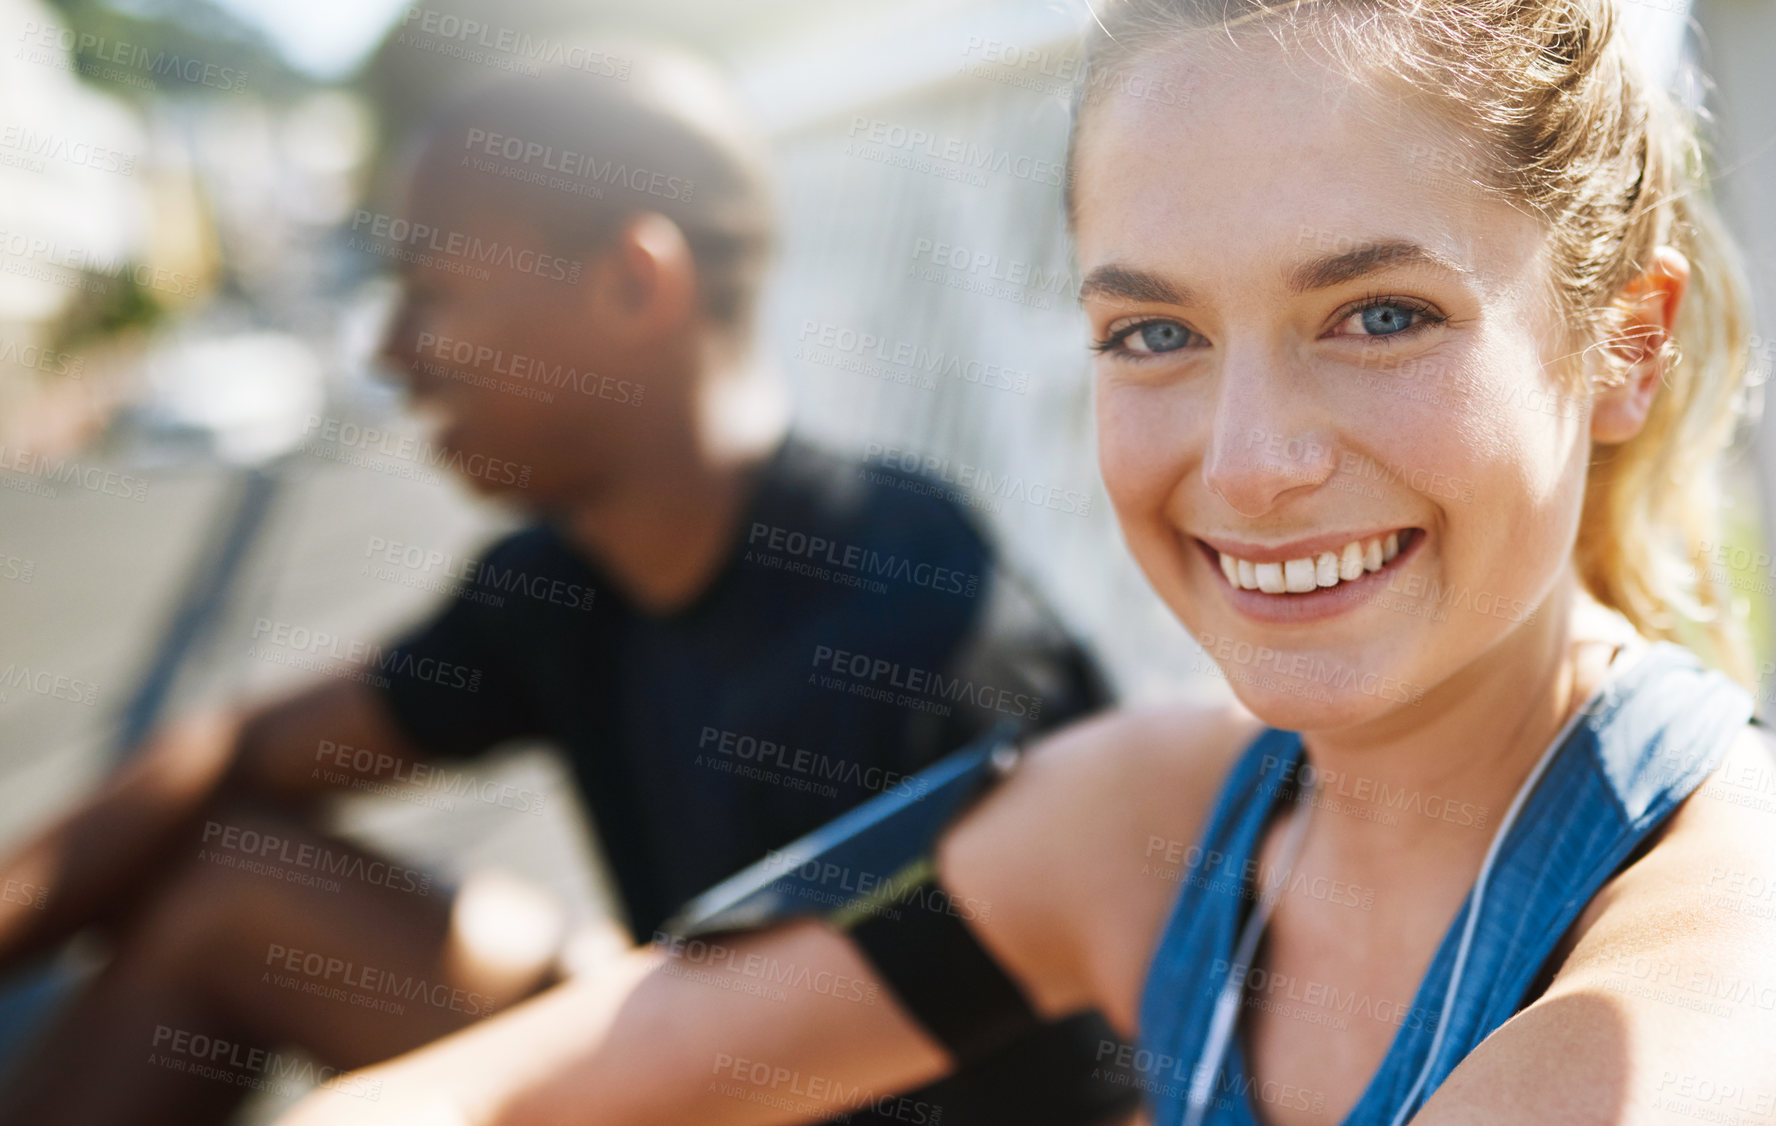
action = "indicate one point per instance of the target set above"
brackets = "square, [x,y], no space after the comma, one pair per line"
[1162,336]
[1385,320]
[1387,316]
[1147,338]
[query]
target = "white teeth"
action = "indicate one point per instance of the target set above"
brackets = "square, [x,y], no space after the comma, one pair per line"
[1270,577]
[1350,563]
[1299,576]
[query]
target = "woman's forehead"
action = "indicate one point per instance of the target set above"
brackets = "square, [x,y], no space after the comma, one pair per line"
[1277,154]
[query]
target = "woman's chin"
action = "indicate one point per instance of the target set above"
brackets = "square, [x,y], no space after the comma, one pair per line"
[1298,711]
[1310,692]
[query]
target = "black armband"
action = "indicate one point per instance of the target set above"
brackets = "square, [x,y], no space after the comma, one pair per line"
[871,874]
[941,974]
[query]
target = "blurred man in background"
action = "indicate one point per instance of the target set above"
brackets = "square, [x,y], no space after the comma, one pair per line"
[730,635]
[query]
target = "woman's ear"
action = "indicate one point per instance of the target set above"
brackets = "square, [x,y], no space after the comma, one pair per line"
[1637,352]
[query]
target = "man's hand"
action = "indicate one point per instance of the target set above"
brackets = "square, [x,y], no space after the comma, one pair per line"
[87,866]
[87,860]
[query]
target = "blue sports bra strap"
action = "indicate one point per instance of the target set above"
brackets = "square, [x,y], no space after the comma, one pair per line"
[1194,953]
[1654,735]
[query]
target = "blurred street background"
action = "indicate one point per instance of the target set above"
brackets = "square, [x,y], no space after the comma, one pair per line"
[182,294]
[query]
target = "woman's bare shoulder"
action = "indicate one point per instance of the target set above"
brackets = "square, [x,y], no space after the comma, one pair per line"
[1666,987]
[1708,883]
[1080,851]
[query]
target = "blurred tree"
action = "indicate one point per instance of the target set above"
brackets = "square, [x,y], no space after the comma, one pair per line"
[173,34]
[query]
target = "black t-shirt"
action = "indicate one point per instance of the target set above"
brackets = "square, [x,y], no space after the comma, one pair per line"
[860,630]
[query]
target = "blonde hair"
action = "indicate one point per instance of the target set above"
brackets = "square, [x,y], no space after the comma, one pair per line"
[1566,127]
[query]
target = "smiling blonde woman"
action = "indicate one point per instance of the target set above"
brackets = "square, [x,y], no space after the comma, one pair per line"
[1416,345]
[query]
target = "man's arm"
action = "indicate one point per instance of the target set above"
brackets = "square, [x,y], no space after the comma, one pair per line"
[86,864]
[1665,1012]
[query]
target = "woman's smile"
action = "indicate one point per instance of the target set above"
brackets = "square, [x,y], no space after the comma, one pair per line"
[1309,580]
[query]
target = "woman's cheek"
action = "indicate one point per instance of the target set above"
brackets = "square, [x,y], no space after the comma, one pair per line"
[1141,451]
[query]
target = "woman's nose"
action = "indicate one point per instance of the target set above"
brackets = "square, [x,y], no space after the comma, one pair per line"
[1261,449]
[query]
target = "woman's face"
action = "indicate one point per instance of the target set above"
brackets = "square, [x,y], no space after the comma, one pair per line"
[1312,334]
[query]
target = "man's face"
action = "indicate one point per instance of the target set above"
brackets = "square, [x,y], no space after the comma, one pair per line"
[498,334]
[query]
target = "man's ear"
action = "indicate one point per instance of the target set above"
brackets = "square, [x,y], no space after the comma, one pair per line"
[645,277]
[1636,352]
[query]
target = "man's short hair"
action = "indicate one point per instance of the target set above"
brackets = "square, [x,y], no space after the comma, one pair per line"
[577,152]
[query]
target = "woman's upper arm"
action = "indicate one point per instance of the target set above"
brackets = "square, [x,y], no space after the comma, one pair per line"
[1077,855]
[1665,1011]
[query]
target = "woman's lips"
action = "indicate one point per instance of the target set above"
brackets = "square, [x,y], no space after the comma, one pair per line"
[1291,590]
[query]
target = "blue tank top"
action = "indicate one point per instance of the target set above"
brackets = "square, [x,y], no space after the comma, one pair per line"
[1650,737]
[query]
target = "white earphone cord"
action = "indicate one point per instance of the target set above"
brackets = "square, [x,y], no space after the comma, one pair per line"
[1477,898]
[1227,1004]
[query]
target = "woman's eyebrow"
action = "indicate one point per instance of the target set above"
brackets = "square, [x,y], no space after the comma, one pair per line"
[1131,284]
[1364,259]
